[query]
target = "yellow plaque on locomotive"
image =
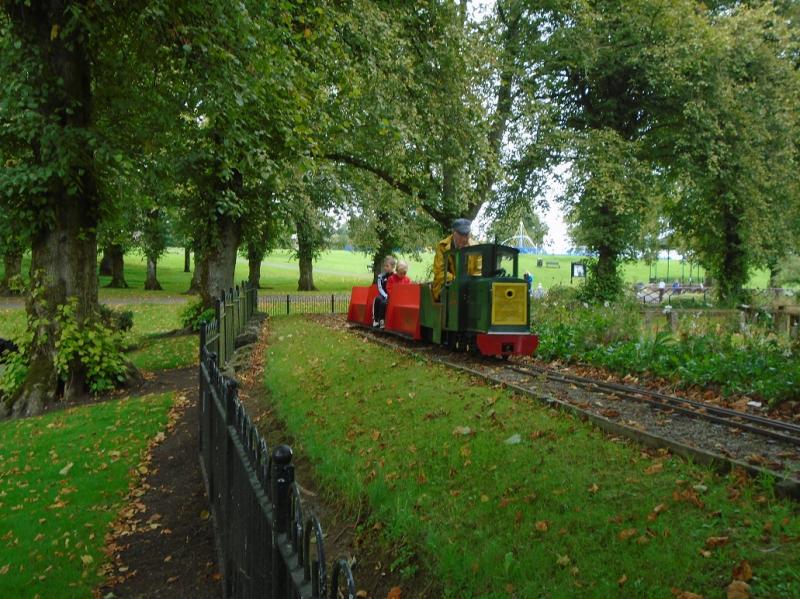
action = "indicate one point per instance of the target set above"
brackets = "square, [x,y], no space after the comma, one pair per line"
[509,303]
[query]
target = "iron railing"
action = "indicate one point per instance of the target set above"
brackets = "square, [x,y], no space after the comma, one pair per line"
[267,547]
[276,305]
[234,308]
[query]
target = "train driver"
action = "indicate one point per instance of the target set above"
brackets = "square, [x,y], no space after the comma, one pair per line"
[459,238]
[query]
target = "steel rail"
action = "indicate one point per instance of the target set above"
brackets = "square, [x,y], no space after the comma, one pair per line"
[760,425]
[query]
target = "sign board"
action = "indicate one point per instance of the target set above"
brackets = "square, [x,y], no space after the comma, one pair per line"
[578,270]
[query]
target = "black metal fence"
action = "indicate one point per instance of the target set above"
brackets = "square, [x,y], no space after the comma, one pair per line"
[275,305]
[233,309]
[267,547]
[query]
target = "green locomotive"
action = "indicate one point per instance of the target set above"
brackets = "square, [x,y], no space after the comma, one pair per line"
[484,307]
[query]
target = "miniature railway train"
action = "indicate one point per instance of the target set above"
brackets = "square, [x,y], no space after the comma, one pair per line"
[484,308]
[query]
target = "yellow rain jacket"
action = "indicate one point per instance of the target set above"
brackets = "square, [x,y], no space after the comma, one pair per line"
[473,266]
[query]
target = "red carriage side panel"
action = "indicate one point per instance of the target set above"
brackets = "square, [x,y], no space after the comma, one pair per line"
[402,314]
[372,293]
[357,311]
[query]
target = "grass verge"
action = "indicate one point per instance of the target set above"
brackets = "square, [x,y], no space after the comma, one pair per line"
[504,497]
[63,477]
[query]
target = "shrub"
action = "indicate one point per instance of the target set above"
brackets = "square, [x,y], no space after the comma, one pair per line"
[94,345]
[117,320]
[193,315]
[13,370]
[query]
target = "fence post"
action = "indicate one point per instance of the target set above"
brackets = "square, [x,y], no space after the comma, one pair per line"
[202,339]
[220,310]
[333,307]
[229,399]
[287,303]
[282,479]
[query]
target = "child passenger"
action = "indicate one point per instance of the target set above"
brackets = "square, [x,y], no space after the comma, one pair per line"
[379,305]
[398,278]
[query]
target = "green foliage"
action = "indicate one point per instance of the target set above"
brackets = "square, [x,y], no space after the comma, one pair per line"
[193,315]
[14,369]
[116,320]
[94,345]
[609,336]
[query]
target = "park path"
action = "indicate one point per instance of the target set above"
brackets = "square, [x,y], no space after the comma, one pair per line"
[18,302]
[164,545]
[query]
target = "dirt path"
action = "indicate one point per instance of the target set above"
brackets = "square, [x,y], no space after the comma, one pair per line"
[163,546]
[18,302]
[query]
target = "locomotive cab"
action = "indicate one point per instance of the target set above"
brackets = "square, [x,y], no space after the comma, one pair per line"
[485,306]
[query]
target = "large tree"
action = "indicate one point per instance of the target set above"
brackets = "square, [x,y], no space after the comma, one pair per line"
[422,103]
[737,148]
[48,49]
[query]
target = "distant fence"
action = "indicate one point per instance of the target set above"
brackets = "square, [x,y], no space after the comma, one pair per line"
[275,305]
[267,547]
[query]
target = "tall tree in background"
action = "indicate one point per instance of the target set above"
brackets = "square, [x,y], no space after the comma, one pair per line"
[738,148]
[249,93]
[601,65]
[411,104]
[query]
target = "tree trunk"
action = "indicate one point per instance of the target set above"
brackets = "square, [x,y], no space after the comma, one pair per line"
[187,259]
[254,258]
[306,280]
[105,263]
[219,260]
[63,263]
[731,274]
[64,244]
[305,255]
[194,284]
[151,281]
[12,260]
[117,260]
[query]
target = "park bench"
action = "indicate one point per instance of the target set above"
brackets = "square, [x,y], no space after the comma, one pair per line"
[552,264]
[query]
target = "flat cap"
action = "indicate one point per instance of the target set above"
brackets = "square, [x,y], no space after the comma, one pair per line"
[462,225]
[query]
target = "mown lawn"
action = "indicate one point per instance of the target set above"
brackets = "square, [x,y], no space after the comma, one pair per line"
[503,497]
[339,270]
[63,477]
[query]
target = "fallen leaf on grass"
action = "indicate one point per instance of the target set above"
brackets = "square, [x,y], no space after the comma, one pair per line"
[622,580]
[742,571]
[657,467]
[65,470]
[716,541]
[394,593]
[738,589]
[594,488]
[542,526]
[563,561]
[626,534]
[87,559]
[679,594]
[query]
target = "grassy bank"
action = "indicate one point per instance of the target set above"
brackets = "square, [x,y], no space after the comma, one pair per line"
[503,497]
[63,477]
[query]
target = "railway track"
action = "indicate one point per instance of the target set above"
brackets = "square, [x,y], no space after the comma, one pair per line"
[786,432]
[705,433]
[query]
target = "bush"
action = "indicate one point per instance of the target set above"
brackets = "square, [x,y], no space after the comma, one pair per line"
[117,320]
[13,371]
[193,315]
[94,345]
[755,363]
